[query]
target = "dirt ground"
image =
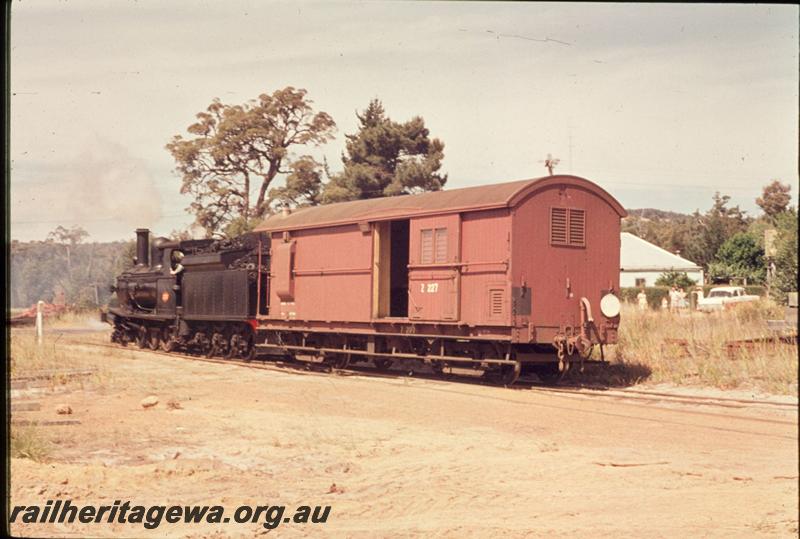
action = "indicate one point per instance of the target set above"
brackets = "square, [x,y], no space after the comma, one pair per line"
[403,457]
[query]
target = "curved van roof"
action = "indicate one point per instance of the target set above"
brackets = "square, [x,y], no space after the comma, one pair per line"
[484,197]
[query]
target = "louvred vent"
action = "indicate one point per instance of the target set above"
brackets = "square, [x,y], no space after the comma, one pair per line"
[433,246]
[496,302]
[440,254]
[426,250]
[568,227]
[577,227]
[558,226]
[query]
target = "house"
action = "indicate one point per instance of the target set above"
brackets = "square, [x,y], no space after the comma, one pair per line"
[642,263]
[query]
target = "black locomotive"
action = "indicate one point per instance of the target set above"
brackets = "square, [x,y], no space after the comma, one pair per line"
[200,296]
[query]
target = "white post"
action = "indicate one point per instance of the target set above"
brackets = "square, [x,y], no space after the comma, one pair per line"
[39,331]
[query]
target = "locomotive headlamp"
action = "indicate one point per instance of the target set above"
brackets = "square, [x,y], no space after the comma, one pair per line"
[610,306]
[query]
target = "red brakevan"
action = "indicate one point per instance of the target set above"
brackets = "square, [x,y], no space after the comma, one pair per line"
[510,271]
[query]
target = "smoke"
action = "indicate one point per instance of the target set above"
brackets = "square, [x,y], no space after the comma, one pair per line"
[104,189]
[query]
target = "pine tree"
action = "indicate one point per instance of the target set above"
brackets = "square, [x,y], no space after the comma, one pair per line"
[387,158]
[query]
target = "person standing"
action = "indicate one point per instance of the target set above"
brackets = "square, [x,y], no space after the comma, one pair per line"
[641,297]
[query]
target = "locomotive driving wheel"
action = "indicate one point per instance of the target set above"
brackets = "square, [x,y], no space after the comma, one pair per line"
[167,345]
[218,345]
[154,339]
[238,347]
[119,336]
[141,337]
[234,347]
[201,344]
[250,351]
[214,347]
[167,342]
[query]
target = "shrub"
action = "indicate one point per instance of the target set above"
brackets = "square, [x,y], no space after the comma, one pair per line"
[785,279]
[27,443]
[654,295]
[675,278]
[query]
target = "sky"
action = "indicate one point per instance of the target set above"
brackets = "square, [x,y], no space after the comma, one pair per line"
[660,104]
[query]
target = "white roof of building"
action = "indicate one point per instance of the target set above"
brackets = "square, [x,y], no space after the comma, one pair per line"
[637,254]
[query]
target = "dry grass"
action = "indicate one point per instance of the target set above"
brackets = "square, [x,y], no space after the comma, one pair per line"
[75,319]
[28,442]
[649,347]
[50,367]
[27,357]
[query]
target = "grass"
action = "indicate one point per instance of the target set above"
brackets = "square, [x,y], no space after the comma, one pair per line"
[55,358]
[650,349]
[73,319]
[54,353]
[29,443]
[28,357]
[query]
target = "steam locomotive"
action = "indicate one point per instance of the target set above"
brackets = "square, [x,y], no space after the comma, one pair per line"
[196,295]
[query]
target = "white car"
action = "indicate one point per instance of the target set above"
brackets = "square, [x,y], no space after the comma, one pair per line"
[722,296]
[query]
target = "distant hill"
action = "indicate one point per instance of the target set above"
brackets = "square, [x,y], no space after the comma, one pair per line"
[654,214]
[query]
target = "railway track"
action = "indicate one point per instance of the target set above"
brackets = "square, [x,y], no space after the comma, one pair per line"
[630,396]
[659,396]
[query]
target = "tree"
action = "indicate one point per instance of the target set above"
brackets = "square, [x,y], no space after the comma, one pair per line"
[68,239]
[775,199]
[740,257]
[387,158]
[38,268]
[785,277]
[697,237]
[303,185]
[72,281]
[235,149]
[675,278]
[706,233]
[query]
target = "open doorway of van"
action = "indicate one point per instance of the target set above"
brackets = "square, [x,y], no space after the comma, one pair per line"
[398,302]
[390,269]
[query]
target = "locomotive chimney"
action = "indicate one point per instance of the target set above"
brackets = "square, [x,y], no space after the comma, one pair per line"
[142,247]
